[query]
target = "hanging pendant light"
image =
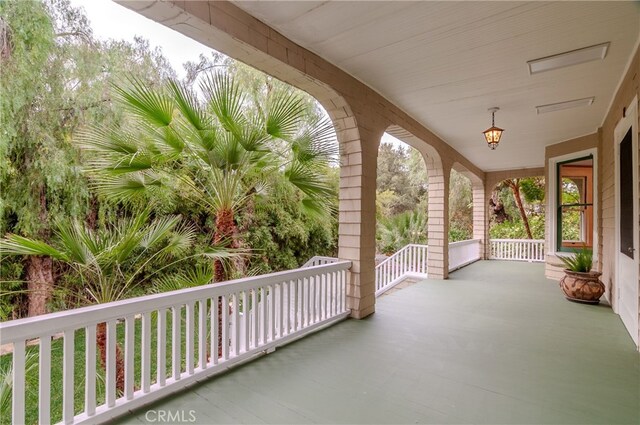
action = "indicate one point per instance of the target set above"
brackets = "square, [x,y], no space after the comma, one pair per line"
[493,133]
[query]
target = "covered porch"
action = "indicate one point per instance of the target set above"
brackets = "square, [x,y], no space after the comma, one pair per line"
[479,341]
[496,343]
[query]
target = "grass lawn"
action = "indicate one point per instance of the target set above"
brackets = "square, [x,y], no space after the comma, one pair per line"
[79,369]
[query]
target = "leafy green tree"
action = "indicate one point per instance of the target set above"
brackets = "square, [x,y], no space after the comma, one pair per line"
[460,207]
[401,171]
[281,235]
[55,78]
[522,198]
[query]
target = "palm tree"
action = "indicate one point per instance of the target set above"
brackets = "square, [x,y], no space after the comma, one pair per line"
[216,151]
[409,227]
[112,262]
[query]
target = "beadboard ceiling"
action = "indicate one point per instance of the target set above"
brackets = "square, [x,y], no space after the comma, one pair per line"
[445,63]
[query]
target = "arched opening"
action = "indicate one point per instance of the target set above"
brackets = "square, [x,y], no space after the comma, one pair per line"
[516,220]
[401,197]
[437,179]
[460,207]
[517,209]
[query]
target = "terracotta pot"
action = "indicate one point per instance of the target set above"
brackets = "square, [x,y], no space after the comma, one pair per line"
[582,287]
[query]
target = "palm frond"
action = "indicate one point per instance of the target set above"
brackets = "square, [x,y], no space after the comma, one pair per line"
[127,188]
[284,112]
[19,245]
[225,100]
[317,144]
[198,276]
[188,105]
[73,238]
[309,181]
[159,230]
[153,106]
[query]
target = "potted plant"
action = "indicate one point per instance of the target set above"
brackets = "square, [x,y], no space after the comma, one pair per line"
[580,283]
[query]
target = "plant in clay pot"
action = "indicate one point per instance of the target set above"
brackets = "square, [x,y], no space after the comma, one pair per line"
[580,283]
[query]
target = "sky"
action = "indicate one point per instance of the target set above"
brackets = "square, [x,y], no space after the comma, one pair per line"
[110,20]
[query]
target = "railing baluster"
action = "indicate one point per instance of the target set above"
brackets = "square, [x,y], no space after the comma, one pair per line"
[307,299]
[176,335]
[236,324]
[145,352]
[190,340]
[225,327]
[68,390]
[334,291]
[89,372]
[255,318]
[342,291]
[280,308]
[18,386]
[287,307]
[264,323]
[215,323]
[110,382]
[272,313]
[296,283]
[202,334]
[44,377]
[129,353]
[246,321]
[312,299]
[161,351]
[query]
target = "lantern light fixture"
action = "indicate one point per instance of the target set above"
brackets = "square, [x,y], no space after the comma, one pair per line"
[493,133]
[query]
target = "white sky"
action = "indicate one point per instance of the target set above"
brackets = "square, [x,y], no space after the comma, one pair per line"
[109,20]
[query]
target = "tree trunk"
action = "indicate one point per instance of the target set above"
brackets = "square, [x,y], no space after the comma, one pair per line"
[39,283]
[224,234]
[497,208]
[101,341]
[515,188]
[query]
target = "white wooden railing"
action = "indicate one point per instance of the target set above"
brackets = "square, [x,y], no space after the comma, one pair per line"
[463,253]
[319,260]
[516,249]
[410,261]
[254,315]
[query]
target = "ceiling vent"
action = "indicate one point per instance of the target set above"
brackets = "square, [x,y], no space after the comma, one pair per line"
[574,57]
[553,107]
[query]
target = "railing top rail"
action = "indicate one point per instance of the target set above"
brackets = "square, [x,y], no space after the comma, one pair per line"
[395,254]
[319,258]
[465,242]
[32,327]
[517,240]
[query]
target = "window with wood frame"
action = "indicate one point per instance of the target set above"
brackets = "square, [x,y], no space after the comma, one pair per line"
[575,204]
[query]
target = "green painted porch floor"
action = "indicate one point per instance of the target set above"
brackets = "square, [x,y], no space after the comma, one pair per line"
[496,343]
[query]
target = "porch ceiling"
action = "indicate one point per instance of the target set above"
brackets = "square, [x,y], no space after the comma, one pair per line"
[445,63]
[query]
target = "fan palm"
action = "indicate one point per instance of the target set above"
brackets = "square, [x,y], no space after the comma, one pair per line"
[112,262]
[409,227]
[215,150]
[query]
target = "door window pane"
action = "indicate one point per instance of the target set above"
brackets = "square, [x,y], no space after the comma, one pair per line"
[575,204]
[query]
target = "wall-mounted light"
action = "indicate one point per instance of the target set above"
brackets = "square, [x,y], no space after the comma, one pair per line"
[493,133]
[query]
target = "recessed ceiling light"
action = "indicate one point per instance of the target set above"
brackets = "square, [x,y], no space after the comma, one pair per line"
[574,57]
[552,107]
